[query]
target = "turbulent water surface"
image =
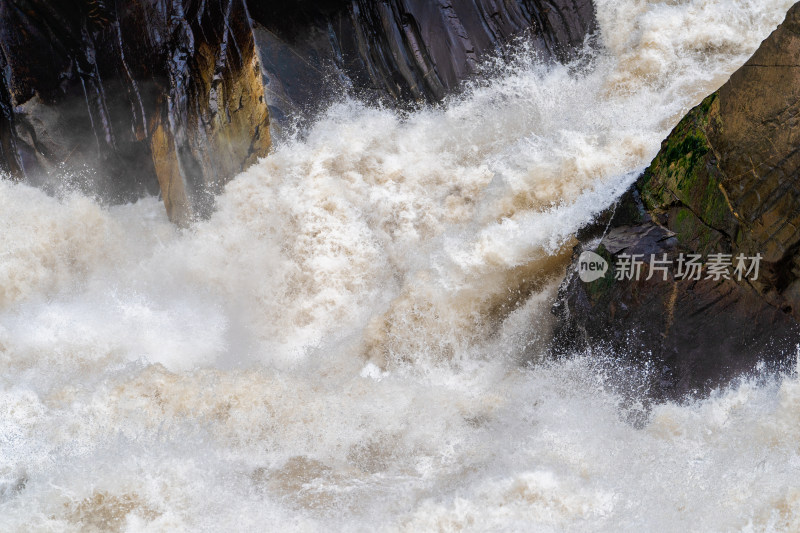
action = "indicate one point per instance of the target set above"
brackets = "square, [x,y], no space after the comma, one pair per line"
[354,340]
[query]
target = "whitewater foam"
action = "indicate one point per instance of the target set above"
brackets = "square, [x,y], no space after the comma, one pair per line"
[345,344]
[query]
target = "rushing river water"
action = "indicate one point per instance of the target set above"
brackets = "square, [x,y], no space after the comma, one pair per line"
[354,340]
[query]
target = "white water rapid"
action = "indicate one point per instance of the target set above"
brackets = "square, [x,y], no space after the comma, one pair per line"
[354,340]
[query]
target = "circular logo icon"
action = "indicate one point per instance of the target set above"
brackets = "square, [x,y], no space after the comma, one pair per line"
[591,267]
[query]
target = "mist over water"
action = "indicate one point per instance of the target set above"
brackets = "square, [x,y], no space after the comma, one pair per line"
[354,340]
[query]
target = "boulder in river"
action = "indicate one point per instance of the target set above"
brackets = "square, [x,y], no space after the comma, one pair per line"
[723,192]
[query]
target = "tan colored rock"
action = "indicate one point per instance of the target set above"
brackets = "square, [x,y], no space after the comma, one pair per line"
[128,98]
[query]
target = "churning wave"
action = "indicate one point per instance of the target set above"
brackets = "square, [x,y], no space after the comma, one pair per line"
[355,339]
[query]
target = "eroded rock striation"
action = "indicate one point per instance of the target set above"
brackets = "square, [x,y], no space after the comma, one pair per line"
[726,181]
[400,50]
[131,97]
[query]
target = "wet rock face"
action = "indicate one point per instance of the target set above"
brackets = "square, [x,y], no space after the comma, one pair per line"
[400,50]
[125,98]
[131,97]
[724,182]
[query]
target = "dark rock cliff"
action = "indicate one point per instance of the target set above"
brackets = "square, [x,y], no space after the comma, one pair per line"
[131,97]
[400,50]
[726,181]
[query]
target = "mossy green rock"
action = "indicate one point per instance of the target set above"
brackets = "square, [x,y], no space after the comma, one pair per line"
[725,181]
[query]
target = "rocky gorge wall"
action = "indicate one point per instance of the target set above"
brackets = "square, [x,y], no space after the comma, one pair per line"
[130,98]
[400,50]
[133,97]
[724,182]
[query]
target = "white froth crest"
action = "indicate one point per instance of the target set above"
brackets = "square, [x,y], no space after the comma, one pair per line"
[340,346]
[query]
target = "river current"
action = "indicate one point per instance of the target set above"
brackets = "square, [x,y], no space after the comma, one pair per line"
[356,339]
